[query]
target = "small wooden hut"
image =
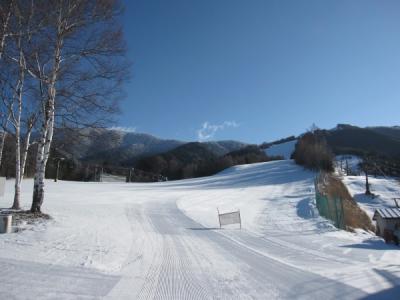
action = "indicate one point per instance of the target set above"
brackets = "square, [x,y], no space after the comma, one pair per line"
[387,223]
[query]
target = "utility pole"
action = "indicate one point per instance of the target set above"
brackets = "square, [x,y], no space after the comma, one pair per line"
[58,168]
[366,166]
[367,190]
[130,175]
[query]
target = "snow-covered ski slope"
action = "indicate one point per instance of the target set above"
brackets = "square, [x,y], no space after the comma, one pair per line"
[284,149]
[162,241]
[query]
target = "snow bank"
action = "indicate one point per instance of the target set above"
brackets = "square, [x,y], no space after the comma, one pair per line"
[89,227]
[384,190]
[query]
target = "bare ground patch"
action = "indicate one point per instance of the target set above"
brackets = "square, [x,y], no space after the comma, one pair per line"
[25,219]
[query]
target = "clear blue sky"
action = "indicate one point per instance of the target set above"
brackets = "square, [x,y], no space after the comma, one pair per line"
[260,70]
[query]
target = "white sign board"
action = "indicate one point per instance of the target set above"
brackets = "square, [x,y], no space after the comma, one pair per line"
[2,186]
[230,218]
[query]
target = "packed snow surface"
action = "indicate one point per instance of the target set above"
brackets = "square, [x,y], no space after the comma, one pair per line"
[383,190]
[162,241]
[284,149]
[112,178]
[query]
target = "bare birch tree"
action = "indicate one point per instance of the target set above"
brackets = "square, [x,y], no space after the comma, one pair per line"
[6,8]
[59,68]
[82,74]
[13,81]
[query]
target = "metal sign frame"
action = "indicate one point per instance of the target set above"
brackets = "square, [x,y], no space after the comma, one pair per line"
[227,214]
[2,186]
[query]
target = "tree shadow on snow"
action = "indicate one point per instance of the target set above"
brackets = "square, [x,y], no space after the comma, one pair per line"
[368,199]
[305,209]
[203,228]
[375,244]
[390,293]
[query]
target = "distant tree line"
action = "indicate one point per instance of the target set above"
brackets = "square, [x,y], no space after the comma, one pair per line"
[379,148]
[195,161]
[70,168]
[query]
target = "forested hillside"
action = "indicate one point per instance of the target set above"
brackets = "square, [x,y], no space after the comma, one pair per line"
[196,159]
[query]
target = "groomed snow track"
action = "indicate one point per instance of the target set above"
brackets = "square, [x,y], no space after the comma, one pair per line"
[161,241]
[188,262]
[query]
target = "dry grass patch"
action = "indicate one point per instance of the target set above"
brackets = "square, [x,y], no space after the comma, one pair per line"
[354,216]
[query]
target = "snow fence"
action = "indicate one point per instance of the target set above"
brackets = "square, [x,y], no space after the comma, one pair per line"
[329,207]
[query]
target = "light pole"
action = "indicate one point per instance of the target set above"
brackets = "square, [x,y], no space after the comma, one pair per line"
[130,174]
[58,168]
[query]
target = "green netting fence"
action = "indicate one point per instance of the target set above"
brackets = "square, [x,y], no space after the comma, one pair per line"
[329,207]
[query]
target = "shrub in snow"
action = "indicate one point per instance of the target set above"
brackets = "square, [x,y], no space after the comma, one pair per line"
[312,152]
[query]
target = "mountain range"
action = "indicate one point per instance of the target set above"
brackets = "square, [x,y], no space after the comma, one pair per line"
[121,148]
[349,139]
[116,148]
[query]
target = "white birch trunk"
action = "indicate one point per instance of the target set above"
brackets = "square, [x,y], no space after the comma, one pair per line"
[48,128]
[17,124]
[25,153]
[17,186]
[17,193]
[38,184]
[41,162]
[5,29]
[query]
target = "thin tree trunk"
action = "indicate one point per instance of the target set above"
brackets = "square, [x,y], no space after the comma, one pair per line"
[5,29]
[17,194]
[38,184]
[2,143]
[4,137]
[2,45]
[38,188]
[40,168]
[25,153]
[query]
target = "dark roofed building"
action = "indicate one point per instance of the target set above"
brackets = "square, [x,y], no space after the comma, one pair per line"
[387,223]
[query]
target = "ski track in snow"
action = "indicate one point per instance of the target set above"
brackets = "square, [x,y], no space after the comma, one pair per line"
[160,241]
